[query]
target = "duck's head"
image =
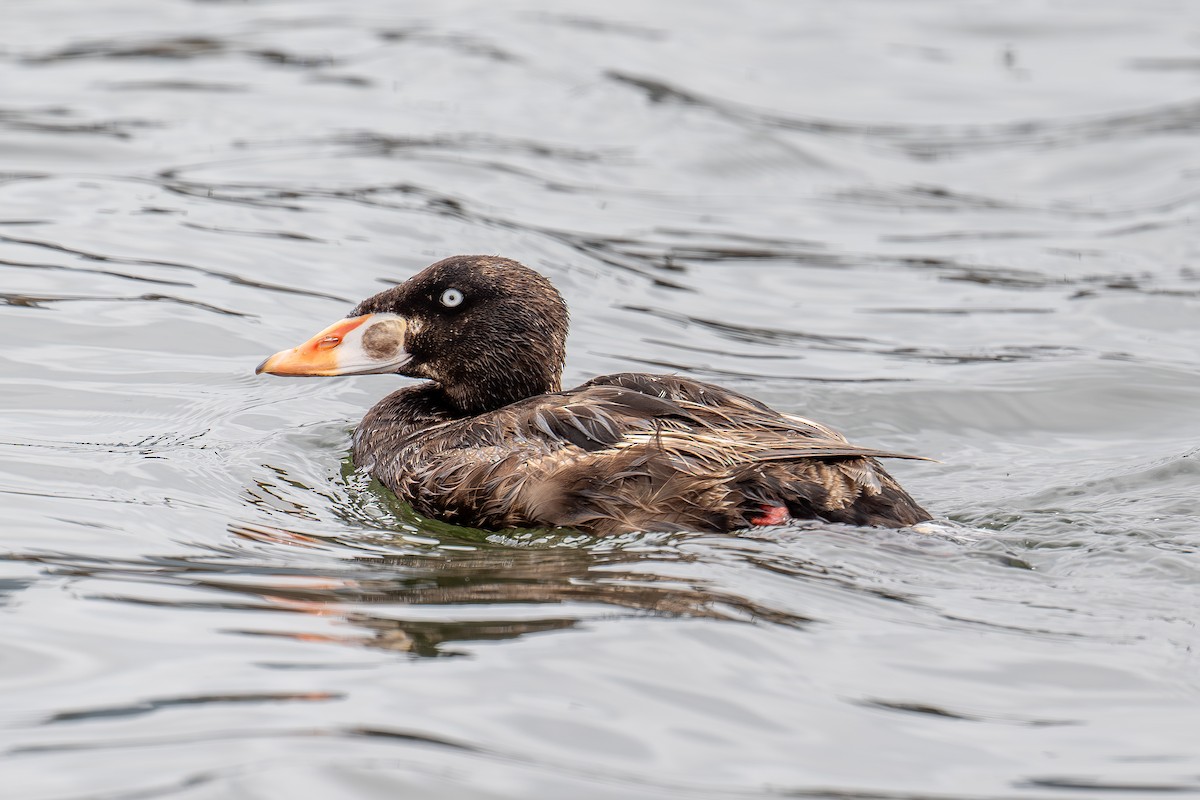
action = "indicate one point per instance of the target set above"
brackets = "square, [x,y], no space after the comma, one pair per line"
[487,330]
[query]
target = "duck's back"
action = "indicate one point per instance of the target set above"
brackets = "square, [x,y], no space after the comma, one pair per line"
[626,452]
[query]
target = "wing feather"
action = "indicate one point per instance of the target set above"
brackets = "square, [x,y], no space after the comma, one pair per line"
[629,448]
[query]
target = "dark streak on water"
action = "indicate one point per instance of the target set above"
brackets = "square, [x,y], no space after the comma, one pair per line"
[960,230]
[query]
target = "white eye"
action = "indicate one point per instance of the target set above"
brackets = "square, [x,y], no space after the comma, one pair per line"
[451,298]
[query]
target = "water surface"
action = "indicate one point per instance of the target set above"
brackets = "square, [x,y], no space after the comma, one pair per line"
[964,230]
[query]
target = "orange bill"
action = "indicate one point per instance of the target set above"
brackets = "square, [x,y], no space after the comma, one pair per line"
[372,343]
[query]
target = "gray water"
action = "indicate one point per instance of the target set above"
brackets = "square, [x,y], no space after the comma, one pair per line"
[959,229]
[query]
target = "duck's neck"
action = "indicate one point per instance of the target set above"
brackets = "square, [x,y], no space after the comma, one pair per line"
[492,392]
[417,407]
[395,418]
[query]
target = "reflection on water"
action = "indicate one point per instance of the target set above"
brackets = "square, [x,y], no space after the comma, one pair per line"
[958,230]
[542,578]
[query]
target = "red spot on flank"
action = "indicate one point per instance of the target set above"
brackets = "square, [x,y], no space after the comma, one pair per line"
[771,515]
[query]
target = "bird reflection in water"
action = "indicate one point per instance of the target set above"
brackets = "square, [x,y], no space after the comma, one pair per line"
[481,581]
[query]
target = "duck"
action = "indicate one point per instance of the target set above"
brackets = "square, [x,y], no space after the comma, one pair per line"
[489,439]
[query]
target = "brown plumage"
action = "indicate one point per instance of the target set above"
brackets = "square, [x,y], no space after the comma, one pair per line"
[491,441]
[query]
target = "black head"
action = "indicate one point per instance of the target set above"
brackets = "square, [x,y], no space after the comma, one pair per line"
[487,330]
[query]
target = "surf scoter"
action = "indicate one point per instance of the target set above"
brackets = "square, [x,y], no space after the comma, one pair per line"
[491,440]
